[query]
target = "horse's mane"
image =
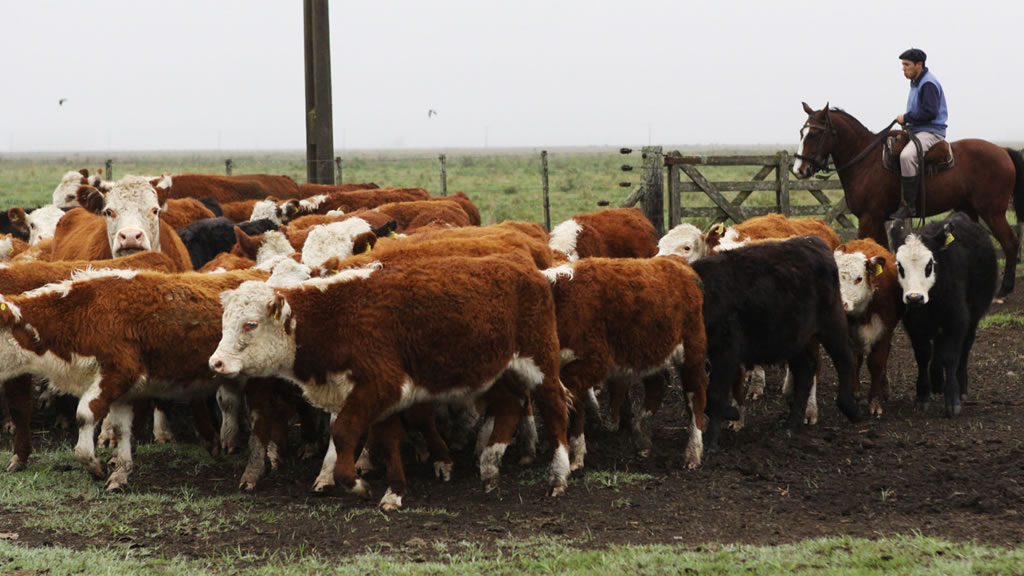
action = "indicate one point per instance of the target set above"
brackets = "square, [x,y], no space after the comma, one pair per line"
[857,123]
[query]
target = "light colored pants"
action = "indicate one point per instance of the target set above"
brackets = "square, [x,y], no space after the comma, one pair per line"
[908,157]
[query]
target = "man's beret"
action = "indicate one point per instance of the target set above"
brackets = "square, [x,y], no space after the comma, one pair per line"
[914,55]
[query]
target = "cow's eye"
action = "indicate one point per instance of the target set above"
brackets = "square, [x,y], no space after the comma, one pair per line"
[69,198]
[899,268]
[108,212]
[156,211]
[928,268]
[32,225]
[250,326]
[857,281]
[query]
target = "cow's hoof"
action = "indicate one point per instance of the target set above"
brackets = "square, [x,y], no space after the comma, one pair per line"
[490,484]
[527,459]
[361,488]
[443,471]
[875,407]
[557,490]
[247,486]
[15,464]
[921,405]
[323,484]
[390,502]
[117,482]
[96,468]
[953,410]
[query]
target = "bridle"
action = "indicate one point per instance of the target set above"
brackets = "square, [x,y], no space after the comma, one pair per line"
[820,160]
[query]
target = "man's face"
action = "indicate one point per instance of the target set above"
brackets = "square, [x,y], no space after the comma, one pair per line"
[912,69]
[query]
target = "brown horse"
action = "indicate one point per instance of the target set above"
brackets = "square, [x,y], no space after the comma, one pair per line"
[980,183]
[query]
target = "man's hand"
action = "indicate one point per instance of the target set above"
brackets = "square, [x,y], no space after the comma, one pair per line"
[899,119]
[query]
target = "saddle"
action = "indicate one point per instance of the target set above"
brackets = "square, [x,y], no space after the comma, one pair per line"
[938,158]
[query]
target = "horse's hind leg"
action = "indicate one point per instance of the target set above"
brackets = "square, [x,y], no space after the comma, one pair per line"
[1009,242]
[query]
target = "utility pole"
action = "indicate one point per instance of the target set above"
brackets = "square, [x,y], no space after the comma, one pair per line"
[319,116]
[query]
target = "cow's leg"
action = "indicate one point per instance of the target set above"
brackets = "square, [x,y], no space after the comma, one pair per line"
[834,337]
[725,369]
[694,380]
[259,397]
[162,432]
[965,354]
[18,393]
[948,346]
[346,431]
[878,359]
[756,377]
[91,407]
[310,425]
[617,388]
[504,410]
[107,436]
[922,355]
[389,437]
[655,386]
[578,377]
[802,368]
[326,477]
[229,400]
[121,415]
[203,418]
[422,418]
[527,435]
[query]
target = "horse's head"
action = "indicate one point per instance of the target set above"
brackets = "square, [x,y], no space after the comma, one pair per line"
[817,138]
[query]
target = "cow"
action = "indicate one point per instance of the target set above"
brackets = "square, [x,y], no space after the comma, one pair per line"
[180,212]
[11,246]
[873,303]
[496,311]
[38,224]
[16,278]
[948,274]
[630,317]
[117,222]
[773,302]
[245,210]
[310,189]
[612,233]
[230,188]
[684,240]
[205,239]
[65,195]
[349,201]
[142,335]
[418,214]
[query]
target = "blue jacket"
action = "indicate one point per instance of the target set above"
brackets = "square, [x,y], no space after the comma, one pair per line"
[926,105]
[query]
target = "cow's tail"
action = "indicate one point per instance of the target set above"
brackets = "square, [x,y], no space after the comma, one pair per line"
[1018,184]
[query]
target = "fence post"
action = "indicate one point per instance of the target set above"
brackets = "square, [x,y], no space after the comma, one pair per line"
[444,175]
[337,164]
[109,167]
[654,197]
[547,199]
[782,178]
[675,208]
[228,165]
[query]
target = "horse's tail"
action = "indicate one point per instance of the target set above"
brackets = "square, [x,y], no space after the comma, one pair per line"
[1018,185]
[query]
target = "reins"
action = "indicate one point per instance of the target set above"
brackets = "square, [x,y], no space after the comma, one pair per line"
[822,165]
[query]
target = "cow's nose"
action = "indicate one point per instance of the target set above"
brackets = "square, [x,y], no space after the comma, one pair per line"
[915,299]
[216,364]
[130,238]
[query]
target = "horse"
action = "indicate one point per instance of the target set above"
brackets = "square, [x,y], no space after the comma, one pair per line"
[980,183]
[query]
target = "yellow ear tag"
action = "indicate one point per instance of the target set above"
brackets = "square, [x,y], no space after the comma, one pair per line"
[878,269]
[3,306]
[949,238]
[391,234]
[277,314]
[333,272]
[719,228]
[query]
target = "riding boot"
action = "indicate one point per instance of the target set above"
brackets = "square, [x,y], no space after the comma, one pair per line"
[910,185]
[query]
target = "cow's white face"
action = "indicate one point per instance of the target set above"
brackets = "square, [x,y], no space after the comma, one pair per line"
[916,265]
[684,240]
[65,195]
[336,239]
[563,239]
[42,223]
[267,209]
[275,246]
[257,337]
[855,285]
[132,211]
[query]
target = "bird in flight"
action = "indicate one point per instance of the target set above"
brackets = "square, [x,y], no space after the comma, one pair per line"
[431,112]
[62,101]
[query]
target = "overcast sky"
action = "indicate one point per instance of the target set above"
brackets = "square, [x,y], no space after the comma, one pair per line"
[210,74]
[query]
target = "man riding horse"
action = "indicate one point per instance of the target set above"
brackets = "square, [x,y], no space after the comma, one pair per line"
[925,120]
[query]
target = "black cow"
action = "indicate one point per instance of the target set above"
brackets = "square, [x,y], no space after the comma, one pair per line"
[206,238]
[770,303]
[213,205]
[948,272]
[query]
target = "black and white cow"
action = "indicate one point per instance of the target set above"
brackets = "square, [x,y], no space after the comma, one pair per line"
[770,303]
[948,274]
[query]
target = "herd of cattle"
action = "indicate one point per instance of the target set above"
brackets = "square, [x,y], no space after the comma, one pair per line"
[400,316]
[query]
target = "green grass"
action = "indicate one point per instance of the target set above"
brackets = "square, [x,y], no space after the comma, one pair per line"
[1002,320]
[910,555]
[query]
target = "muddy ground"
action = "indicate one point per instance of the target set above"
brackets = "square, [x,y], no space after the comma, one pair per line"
[905,472]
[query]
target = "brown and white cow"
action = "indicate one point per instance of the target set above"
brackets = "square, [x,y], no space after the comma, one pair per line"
[230,188]
[389,346]
[16,278]
[873,301]
[65,195]
[180,212]
[612,233]
[349,201]
[39,224]
[114,336]
[631,318]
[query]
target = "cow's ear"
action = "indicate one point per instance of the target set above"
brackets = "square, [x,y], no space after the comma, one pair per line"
[386,230]
[876,266]
[84,172]
[279,310]
[249,245]
[92,199]
[363,242]
[330,266]
[8,316]
[897,235]
[288,210]
[948,236]
[18,218]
